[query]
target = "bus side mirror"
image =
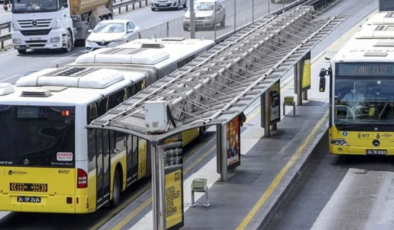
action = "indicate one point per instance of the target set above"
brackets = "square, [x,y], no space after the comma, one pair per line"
[322,84]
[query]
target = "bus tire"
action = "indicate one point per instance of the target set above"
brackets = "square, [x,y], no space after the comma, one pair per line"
[116,190]
[201,132]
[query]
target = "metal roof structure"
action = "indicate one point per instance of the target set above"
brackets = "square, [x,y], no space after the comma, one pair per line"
[221,83]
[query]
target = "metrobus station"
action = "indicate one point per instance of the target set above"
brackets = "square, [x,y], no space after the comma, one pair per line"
[218,91]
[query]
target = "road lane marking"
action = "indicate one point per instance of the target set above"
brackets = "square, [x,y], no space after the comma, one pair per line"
[294,158]
[8,78]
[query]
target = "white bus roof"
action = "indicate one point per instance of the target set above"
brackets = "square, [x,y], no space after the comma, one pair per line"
[372,43]
[383,18]
[158,53]
[67,86]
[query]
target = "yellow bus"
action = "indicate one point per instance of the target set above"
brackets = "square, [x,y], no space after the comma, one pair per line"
[49,161]
[362,92]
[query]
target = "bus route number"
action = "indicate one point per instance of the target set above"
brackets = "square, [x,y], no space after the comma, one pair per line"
[28,187]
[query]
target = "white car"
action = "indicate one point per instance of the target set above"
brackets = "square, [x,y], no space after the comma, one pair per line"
[111,33]
[168,4]
[204,16]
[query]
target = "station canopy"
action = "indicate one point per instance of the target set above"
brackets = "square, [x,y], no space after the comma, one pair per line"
[222,82]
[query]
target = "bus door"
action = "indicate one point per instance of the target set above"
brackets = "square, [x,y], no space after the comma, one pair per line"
[132,159]
[102,168]
[142,158]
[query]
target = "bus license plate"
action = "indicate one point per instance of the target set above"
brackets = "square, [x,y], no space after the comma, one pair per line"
[29,199]
[35,39]
[376,152]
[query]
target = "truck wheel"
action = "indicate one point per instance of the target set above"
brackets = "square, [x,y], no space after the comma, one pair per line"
[21,51]
[68,43]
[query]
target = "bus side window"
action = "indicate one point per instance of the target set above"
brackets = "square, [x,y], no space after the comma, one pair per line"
[102,106]
[131,90]
[92,112]
[115,99]
[137,87]
[120,142]
[91,149]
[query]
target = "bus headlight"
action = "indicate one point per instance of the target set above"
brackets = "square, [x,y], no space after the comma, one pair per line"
[339,142]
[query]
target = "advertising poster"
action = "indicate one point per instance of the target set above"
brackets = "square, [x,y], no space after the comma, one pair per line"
[233,143]
[274,103]
[306,72]
[174,197]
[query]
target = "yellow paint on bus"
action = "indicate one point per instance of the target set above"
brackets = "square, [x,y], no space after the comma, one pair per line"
[360,142]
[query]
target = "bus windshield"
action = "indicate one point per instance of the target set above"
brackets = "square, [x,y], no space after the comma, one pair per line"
[34,6]
[364,100]
[37,136]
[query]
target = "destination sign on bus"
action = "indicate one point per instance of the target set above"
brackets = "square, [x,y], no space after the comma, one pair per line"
[365,69]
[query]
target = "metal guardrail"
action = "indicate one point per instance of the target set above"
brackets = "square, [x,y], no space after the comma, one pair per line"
[7,36]
[128,3]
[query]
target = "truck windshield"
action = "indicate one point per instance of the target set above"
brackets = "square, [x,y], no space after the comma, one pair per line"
[37,136]
[34,6]
[364,100]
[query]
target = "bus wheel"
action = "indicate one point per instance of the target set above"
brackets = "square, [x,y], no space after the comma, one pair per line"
[116,195]
[201,133]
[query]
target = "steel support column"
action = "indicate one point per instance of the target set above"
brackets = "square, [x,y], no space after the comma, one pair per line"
[221,151]
[158,188]
[265,118]
[298,81]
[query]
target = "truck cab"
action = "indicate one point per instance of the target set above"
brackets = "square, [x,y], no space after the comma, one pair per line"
[55,24]
[42,24]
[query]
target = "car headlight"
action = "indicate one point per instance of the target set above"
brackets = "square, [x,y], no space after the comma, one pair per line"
[16,41]
[55,39]
[339,142]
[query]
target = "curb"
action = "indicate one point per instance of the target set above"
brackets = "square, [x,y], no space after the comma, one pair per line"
[286,186]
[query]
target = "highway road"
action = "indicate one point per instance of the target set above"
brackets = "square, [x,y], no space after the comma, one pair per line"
[341,192]
[15,65]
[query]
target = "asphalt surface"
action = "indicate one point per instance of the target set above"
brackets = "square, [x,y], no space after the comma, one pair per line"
[14,65]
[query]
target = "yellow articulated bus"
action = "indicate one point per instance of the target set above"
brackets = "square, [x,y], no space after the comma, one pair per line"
[362,92]
[49,161]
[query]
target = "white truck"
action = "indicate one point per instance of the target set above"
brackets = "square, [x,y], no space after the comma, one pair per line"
[55,24]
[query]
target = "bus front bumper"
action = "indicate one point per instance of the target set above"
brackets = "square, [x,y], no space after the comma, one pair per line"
[353,150]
